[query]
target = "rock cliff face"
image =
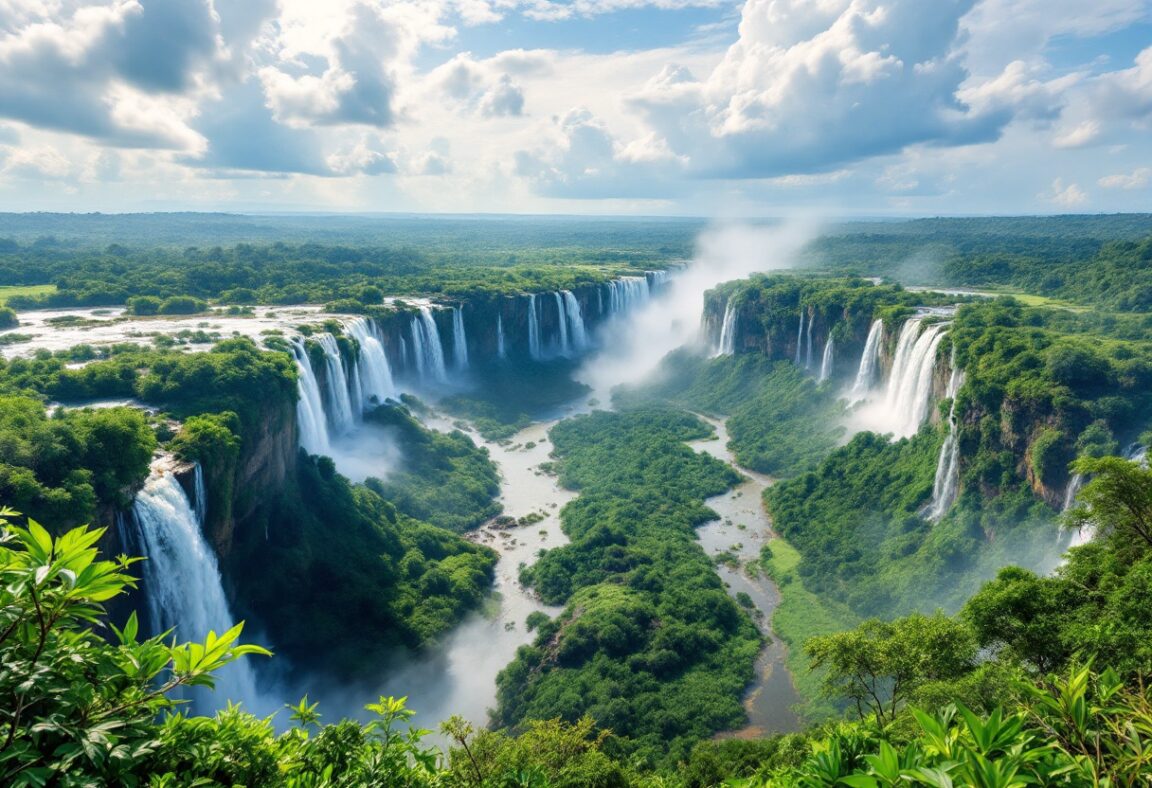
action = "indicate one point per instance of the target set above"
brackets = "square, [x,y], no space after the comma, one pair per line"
[485,316]
[775,330]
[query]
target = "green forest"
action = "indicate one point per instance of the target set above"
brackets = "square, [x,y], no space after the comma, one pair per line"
[965,646]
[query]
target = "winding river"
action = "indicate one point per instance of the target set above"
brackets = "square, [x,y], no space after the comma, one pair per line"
[743,528]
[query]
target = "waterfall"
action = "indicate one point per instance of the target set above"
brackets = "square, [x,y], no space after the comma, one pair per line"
[1137,453]
[910,384]
[1071,491]
[800,338]
[576,329]
[562,322]
[627,293]
[808,360]
[310,415]
[827,359]
[373,371]
[727,345]
[426,347]
[500,351]
[459,339]
[947,482]
[869,360]
[199,494]
[182,580]
[533,329]
[341,416]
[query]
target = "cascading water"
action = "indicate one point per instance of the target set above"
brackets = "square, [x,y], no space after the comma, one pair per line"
[310,416]
[576,328]
[1072,490]
[627,293]
[459,339]
[909,390]
[562,322]
[947,482]
[533,329]
[373,370]
[341,414]
[727,344]
[827,359]
[182,580]
[426,348]
[500,350]
[808,358]
[800,339]
[199,494]
[869,361]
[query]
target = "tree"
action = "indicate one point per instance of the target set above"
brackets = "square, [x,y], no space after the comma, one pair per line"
[1117,503]
[879,664]
[1025,614]
[71,704]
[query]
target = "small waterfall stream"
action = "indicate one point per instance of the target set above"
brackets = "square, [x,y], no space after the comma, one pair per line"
[426,348]
[827,360]
[373,370]
[576,328]
[459,339]
[533,329]
[183,579]
[501,351]
[947,482]
[310,416]
[808,337]
[565,348]
[727,344]
[800,339]
[341,415]
[869,362]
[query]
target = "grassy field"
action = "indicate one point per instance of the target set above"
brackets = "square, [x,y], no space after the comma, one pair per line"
[802,615]
[21,290]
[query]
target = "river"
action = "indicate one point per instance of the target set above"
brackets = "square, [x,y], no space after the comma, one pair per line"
[742,529]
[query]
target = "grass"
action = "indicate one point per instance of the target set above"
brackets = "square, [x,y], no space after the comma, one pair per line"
[1031,299]
[8,291]
[802,615]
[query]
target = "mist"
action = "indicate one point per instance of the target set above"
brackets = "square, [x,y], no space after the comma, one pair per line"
[369,452]
[634,344]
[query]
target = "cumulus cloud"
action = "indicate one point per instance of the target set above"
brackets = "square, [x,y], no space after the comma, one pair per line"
[1078,136]
[366,157]
[1139,178]
[1022,90]
[243,135]
[358,83]
[812,86]
[584,159]
[1068,195]
[124,72]
[502,99]
[481,86]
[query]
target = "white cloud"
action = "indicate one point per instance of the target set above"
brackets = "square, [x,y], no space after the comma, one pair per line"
[1065,195]
[1080,135]
[502,99]
[481,86]
[1139,178]
[813,86]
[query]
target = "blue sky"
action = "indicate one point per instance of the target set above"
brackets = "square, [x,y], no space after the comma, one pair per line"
[698,107]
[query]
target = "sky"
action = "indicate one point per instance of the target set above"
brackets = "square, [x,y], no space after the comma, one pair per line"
[655,107]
